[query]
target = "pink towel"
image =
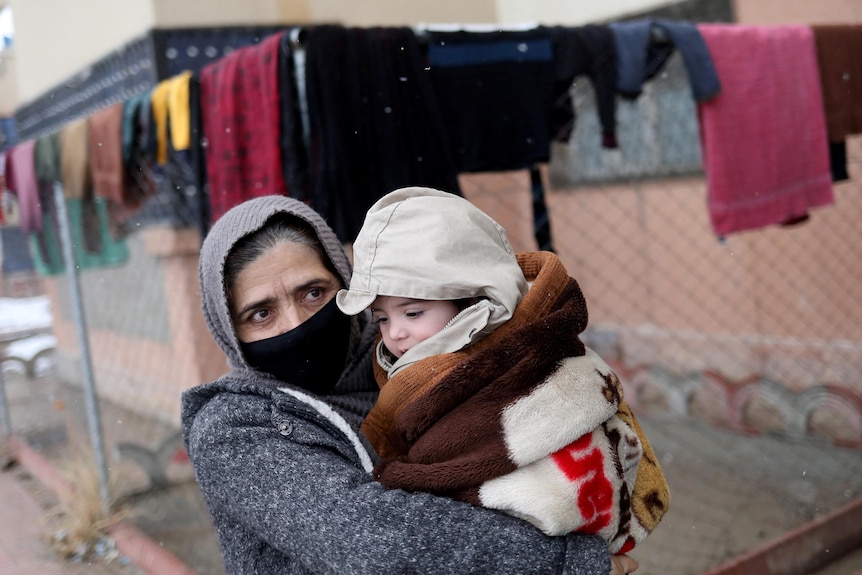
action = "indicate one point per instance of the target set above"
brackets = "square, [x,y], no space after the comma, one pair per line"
[21,180]
[764,137]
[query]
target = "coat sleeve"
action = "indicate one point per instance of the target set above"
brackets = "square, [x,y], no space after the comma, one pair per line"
[298,502]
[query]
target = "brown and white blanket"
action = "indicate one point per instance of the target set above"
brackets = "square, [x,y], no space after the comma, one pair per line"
[527,421]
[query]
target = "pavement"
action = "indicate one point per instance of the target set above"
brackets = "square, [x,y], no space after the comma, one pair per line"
[165,529]
[23,546]
[741,505]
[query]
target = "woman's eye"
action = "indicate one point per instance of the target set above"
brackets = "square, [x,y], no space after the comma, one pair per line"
[314,293]
[259,315]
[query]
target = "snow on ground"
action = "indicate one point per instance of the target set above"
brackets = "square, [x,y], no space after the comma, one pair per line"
[18,314]
[22,313]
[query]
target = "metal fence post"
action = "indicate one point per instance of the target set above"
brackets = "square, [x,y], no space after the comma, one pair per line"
[91,400]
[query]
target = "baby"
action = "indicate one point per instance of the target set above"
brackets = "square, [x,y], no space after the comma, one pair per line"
[487,393]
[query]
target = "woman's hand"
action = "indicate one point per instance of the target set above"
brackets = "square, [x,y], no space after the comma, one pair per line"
[622,564]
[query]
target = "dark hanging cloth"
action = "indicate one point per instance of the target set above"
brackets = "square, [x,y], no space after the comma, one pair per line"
[838,161]
[584,51]
[129,127]
[46,156]
[137,153]
[197,158]
[294,155]
[644,46]
[497,94]
[838,50]
[374,122]
[240,113]
[541,218]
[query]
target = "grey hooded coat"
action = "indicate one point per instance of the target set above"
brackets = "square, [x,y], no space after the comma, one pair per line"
[286,475]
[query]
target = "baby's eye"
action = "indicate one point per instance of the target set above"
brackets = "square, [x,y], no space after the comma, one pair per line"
[379,320]
[413,314]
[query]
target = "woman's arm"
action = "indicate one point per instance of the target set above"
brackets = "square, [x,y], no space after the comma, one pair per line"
[304,495]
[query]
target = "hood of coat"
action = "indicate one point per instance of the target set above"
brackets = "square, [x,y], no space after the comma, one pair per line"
[427,244]
[234,225]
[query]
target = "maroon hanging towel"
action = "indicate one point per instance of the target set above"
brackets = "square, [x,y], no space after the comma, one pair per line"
[241,117]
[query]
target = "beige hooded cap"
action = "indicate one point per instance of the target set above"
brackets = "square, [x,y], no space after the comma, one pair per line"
[426,244]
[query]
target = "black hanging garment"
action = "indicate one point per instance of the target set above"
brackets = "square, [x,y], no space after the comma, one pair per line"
[589,51]
[374,122]
[496,91]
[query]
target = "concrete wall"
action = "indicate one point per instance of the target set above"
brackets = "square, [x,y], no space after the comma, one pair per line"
[56,39]
[401,12]
[798,11]
[572,13]
[194,13]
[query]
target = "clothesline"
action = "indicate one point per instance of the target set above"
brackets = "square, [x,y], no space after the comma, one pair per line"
[357,112]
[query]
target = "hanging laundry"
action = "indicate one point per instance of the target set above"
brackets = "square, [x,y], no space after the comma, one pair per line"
[240,113]
[48,256]
[106,155]
[374,121]
[110,178]
[838,161]
[77,179]
[838,50]
[21,180]
[130,126]
[658,135]
[75,160]
[163,131]
[159,108]
[46,156]
[170,108]
[196,155]
[764,138]
[45,245]
[497,94]
[91,248]
[294,152]
[179,120]
[644,46]
[589,51]
[137,157]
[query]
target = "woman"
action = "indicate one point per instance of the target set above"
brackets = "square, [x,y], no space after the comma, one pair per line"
[284,473]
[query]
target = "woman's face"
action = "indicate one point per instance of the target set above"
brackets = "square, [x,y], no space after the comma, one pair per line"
[280,290]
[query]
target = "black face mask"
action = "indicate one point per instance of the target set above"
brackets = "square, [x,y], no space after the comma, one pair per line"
[311,355]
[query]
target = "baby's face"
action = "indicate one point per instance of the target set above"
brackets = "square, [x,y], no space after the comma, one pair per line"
[404,322]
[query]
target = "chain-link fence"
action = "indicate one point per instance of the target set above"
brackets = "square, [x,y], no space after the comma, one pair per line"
[740,355]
